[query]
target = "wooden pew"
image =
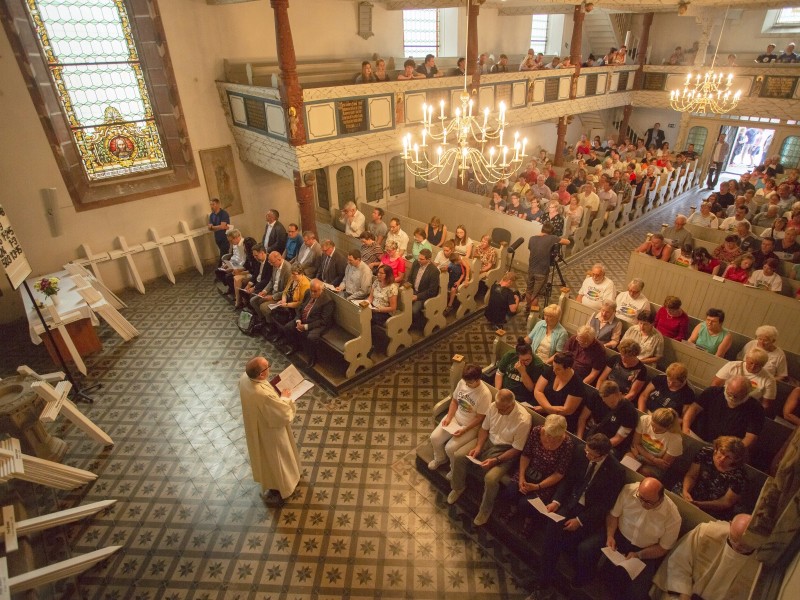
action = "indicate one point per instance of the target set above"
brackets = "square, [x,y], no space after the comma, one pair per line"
[407,224]
[745,308]
[596,225]
[351,334]
[468,290]
[398,325]
[433,309]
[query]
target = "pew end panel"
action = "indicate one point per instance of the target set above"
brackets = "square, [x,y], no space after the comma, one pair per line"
[468,291]
[351,335]
[398,325]
[434,308]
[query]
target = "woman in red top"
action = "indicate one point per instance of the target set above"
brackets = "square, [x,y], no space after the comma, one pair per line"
[741,268]
[395,260]
[671,320]
[702,261]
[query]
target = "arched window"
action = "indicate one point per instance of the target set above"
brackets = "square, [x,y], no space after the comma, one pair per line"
[373,180]
[697,136]
[790,152]
[323,196]
[99,76]
[345,185]
[397,176]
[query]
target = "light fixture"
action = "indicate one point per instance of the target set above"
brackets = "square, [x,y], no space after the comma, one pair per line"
[706,92]
[463,144]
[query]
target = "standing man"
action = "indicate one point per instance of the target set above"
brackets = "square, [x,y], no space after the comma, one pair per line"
[425,279]
[267,417]
[218,222]
[711,561]
[654,136]
[274,233]
[717,158]
[540,247]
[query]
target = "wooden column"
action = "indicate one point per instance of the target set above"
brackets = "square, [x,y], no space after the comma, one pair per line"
[641,51]
[291,92]
[561,140]
[304,193]
[472,45]
[623,125]
[575,49]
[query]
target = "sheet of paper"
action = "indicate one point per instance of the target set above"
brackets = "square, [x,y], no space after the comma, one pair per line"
[290,378]
[300,389]
[274,305]
[633,566]
[331,287]
[528,405]
[631,462]
[542,508]
[452,427]
[475,460]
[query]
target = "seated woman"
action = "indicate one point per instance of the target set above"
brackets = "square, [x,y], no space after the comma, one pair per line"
[437,233]
[767,340]
[250,271]
[560,392]
[548,336]
[503,301]
[574,215]
[487,256]
[607,327]
[647,336]
[703,262]
[553,216]
[671,390]
[671,320]
[291,298]
[366,75]
[657,442]
[542,465]
[468,405]
[656,247]
[383,301]
[458,273]
[380,73]
[496,202]
[626,370]
[740,269]
[778,229]
[442,260]
[395,260]
[535,212]
[716,480]
[767,277]
[519,370]
[420,242]
[710,335]
[727,251]
[514,207]
[463,242]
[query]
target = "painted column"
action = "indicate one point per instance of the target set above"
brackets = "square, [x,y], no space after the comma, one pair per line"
[472,44]
[641,59]
[561,140]
[291,92]
[575,49]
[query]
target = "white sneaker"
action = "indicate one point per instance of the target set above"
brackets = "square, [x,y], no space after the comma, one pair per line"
[435,464]
[481,519]
[453,496]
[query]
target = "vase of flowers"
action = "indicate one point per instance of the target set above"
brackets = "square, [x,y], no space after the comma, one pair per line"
[48,286]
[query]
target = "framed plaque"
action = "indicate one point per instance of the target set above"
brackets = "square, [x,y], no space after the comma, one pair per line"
[352,116]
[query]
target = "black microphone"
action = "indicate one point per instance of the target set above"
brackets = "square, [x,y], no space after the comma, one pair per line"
[513,247]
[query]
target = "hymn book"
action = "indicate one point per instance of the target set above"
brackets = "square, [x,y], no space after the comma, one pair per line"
[291,379]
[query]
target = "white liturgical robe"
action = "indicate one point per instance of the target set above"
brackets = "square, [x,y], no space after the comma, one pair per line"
[703,563]
[267,417]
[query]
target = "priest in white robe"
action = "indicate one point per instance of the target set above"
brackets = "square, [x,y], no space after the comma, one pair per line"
[268,417]
[711,562]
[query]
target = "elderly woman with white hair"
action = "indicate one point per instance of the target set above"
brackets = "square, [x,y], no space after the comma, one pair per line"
[767,340]
[548,336]
[763,386]
[542,465]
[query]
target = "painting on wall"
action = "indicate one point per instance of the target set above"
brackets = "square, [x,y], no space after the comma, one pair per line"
[219,171]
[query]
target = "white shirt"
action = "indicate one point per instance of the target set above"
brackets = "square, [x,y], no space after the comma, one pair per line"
[628,307]
[590,201]
[730,223]
[401,237]
[762,383]
[357,281]
[769,282]
[776,364]
[267,234]
[355,227]
[697,218]
[658,444]
[471,401]
[512,428]
[594,293]
[660,525]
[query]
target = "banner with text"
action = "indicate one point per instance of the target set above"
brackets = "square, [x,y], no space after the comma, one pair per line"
[11,255]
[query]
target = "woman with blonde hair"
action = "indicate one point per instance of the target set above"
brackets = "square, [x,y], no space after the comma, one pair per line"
[740,269]
[548,336]
[437,233]
[657,442]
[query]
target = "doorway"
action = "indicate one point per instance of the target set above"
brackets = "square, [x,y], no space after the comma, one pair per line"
[748,148]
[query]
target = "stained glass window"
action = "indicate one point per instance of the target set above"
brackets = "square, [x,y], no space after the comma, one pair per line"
[790,152]
[373,180]
[397,176]
[94,63]
[345,185]
[697,136]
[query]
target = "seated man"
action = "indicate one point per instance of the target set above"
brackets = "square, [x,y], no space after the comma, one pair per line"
[425,279]
[589,354]
[519,370]
[583,497]
[397,235]
[352,219]
[762,384]
[644,523]
[309,254]
[313,318]
[503,301]
[632,301]
[711,561]
[357,277]
[727,410]
[281,272]
[501,438]
[294,242]
[610,414]
[677,236]
[607,327]
[596,288]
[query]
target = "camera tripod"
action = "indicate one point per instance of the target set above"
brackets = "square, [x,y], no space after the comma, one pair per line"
[547,289]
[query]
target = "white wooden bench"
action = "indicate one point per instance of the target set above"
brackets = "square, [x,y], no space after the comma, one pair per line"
[351,334]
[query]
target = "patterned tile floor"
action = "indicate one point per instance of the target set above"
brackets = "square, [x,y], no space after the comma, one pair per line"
[362,524]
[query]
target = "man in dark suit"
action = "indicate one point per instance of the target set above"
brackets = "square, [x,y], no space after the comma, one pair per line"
[425,279]
[332,264]
[275,235]
[262,277]
[584,498]
[654,136]
[314,316]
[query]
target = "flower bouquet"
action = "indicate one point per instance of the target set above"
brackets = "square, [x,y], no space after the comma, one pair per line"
[47,286]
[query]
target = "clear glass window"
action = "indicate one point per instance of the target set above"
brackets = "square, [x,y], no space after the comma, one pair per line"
[345,185]
[397,176]
[539,25]
[420,32]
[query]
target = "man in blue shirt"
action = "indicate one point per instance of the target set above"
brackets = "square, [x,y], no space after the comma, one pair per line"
[293,242]
[218,222]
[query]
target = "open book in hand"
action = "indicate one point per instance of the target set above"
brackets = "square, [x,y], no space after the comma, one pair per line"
[291,379]
[633,566]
